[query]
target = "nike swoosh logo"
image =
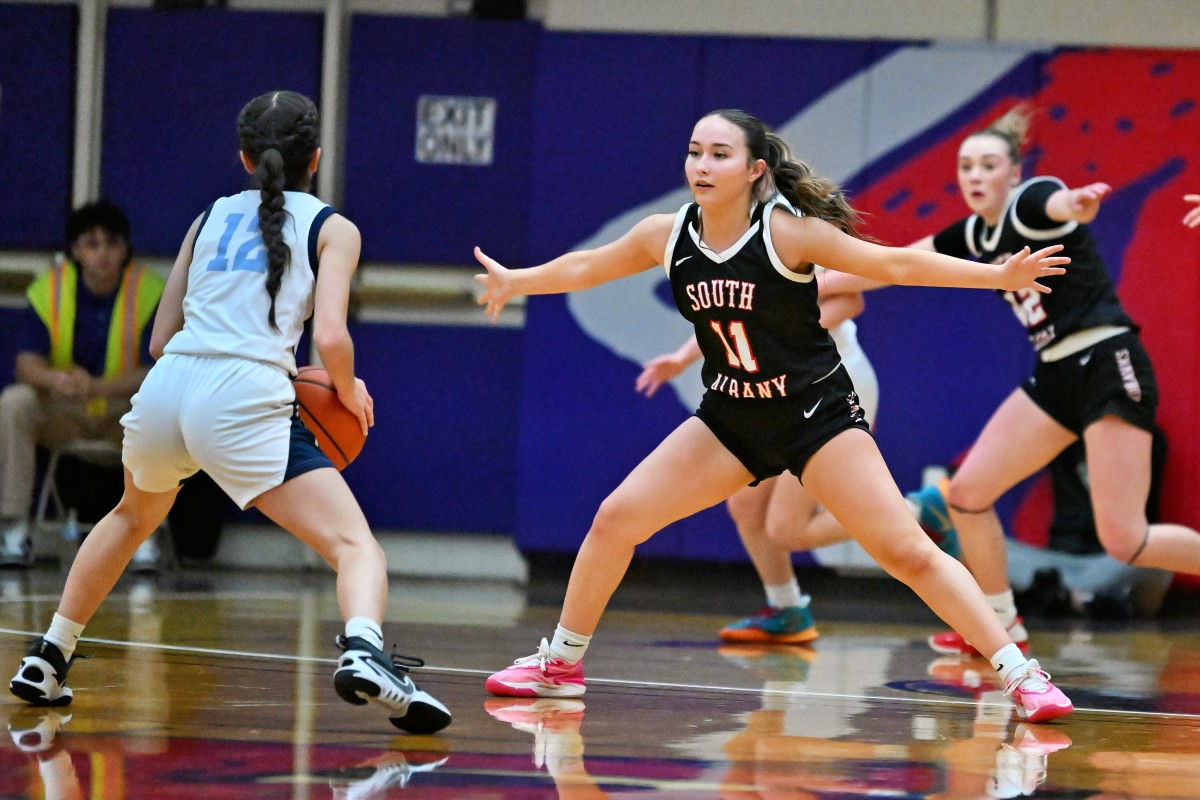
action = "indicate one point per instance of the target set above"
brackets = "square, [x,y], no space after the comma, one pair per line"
[812,410]
[1083,361]
[406,686]
[680,261]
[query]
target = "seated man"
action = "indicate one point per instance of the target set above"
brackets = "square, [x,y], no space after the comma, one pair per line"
[83,349]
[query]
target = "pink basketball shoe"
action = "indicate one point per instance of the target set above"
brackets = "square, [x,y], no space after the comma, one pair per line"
[952,643]
[1036,698]
[538,675]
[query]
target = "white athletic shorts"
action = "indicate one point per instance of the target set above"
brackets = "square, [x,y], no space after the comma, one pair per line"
[230,417]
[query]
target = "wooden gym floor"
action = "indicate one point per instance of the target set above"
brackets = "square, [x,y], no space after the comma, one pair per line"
[217,685]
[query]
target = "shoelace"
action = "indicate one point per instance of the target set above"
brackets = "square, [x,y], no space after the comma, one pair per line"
[1033,679]
[399,661]
[541,658]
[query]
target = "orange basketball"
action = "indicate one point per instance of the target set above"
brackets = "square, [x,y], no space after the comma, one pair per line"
[337,430]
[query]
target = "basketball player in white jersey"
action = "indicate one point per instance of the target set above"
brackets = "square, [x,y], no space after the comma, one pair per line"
[251,270]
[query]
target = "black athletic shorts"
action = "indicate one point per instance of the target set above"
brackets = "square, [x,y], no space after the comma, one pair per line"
[1113,376]
[770,436]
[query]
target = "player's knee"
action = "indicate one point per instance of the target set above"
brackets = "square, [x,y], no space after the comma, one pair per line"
[784,533]
[968,498]
[133,519]
[336,546]
[1123,539]
[617,520]
[904,561]
[745,510]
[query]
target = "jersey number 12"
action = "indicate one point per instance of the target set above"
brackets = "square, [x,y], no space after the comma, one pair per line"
[250,256]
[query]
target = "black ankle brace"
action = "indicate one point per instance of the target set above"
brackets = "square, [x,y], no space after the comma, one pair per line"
[1141,547]
[962,510]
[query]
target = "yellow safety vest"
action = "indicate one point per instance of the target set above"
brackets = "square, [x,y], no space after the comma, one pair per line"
[53,294]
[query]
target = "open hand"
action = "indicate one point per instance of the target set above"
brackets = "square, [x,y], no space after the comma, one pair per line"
[360,404]
[497,289]
[73,383]
[1085,201]
[657,372]
[1022,269]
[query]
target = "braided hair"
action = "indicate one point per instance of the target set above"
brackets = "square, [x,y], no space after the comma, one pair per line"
[810,193]
[278,133]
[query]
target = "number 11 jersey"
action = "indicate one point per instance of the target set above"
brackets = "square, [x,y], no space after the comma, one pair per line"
[757,322]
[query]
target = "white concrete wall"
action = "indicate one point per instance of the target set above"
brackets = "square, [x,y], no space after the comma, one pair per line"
[1121,23]
[847,19]
[1132,23]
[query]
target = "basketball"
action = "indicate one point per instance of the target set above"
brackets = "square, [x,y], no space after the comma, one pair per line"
[337,430]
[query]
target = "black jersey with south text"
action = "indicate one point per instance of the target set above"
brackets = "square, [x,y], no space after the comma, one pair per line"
[757,322]
[1082,298]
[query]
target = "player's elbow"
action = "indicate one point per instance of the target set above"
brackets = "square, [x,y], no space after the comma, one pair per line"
[328,337]
[856,304]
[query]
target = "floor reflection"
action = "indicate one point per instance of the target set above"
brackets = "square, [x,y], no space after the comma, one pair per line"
[220,688]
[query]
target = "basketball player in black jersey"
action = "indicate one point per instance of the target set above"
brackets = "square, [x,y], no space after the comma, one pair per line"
[740,260]
[1093,379]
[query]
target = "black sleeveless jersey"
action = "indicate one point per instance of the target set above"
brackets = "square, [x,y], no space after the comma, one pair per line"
[757,322]
[1082,298]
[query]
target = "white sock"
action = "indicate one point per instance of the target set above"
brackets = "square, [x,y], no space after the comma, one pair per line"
[365,628]
[568,645]
[1008,661]
[785,595]
[1004,606]
[64,634]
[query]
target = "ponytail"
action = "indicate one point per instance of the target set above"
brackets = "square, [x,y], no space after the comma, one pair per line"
[810,193]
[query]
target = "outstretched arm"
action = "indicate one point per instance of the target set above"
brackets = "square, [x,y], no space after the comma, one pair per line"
[1192,217]
[663,368]
[1081,204]
[805,240]
[637,251]
[836,283]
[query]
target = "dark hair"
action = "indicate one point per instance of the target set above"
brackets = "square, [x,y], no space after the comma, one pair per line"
[103,214]
[810,193]
[1012,129]
[278,133]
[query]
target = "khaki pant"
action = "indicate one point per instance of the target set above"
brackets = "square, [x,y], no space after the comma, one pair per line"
[29,419]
